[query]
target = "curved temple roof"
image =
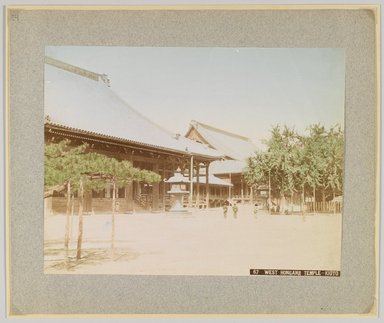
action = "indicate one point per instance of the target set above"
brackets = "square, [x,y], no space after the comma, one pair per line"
[78,102]
[232,145]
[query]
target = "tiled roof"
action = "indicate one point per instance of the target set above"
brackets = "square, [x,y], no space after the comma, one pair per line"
[229,144]
[226,166]
[76,101]
[213,180]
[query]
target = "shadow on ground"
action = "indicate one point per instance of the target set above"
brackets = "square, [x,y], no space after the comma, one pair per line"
[54,258]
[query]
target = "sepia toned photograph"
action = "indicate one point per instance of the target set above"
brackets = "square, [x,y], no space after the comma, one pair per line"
[193,161]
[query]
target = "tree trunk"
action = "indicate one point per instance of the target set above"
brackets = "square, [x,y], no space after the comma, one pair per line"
[314,199]
[66,237]
[302,201]
[269,191]
[80,234]
[113,215]
[282,203]
[72,212]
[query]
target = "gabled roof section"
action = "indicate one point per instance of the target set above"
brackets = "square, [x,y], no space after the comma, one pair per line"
[229,144]
[82,100]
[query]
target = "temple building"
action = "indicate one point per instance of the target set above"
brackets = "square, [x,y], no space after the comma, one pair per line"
[235,149]
[81,106]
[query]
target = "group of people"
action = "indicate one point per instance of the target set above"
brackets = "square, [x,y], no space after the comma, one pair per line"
[235,209]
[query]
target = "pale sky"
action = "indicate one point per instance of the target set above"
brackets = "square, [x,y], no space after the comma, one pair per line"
[241,90]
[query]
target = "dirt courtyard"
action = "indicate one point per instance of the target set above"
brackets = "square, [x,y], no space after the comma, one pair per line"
[204,243]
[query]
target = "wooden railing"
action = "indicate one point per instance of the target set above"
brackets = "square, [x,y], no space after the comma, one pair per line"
[142,203]
[324,207]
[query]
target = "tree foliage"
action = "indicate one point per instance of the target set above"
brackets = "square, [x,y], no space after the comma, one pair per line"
[64,163]
[295,163]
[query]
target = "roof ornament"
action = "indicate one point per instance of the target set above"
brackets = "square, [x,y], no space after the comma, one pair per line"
[47,119]
[105,79]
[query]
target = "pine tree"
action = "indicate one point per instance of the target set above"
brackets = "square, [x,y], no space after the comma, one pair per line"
[294,163]
[77,170]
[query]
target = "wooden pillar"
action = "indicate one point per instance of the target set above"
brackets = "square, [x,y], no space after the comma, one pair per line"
[155,191]
[108,190]
[190,182]
[242,190]
[138,188]
[129,197]
[198,184]
[129,191]
[163,186]
[207,184]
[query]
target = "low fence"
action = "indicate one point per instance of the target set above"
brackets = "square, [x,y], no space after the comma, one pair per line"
[58,205]
[324,207]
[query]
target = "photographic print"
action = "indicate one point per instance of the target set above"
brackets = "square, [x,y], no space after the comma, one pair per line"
[193,160]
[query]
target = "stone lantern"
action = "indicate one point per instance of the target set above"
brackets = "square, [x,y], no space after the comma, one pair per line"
[178,190]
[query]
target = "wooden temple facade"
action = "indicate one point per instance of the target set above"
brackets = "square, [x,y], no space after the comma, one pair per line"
[138,196]
[106,123]
[235,149]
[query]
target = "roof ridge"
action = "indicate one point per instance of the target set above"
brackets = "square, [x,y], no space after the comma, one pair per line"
[76,70]
[220,130]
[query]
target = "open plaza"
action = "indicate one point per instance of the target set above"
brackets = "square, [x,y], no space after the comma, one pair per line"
[201,243]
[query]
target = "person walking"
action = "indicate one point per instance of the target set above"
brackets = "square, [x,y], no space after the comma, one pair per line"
[235,209]
[255,209]
[225,210]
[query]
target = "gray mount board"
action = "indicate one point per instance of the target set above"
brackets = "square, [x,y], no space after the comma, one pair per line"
[32,292]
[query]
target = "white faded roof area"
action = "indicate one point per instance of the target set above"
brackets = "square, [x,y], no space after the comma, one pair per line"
[212,180]
[231,145]
[227,166]
[80,103]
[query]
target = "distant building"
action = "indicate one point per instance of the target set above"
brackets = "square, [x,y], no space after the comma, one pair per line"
[235,149]
[81,106]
